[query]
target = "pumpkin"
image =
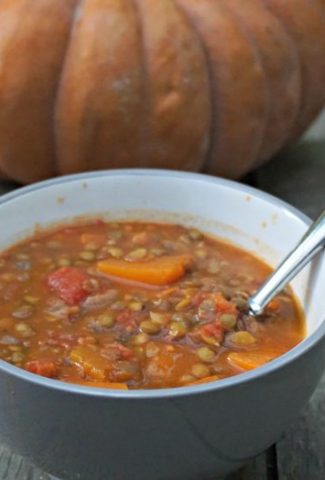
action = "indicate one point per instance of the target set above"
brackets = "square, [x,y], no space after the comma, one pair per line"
[212,85]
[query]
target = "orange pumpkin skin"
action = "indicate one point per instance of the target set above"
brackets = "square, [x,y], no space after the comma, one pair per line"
[33,41]
[213,85]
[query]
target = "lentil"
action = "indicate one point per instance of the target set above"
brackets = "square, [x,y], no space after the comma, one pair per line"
[150,327]
[62,316]
[199,370]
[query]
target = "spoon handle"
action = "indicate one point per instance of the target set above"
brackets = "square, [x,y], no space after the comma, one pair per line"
[311,244]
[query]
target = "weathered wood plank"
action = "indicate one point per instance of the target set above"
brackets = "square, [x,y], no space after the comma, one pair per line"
[301,453]
[255,470]
[14,467]
[298,176]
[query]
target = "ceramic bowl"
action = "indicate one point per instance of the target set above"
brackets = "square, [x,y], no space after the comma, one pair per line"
[192,433]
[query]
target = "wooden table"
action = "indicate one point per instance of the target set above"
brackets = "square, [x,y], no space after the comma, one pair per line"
[297,176]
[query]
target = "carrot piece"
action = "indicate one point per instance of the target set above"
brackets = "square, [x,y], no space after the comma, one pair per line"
[160,271]
[93,364]
[211,378]
[249,360]
[113,385]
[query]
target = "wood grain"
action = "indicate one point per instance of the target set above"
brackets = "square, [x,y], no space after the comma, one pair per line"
[14,467]
[301,452]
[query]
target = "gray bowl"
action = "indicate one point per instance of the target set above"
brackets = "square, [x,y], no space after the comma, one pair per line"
[191,433]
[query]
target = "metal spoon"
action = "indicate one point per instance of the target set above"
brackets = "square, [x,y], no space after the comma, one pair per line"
[311,244]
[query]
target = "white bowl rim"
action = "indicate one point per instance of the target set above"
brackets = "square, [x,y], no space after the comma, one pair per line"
[164,393]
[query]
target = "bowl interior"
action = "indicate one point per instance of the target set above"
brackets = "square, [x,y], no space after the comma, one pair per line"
[250,219]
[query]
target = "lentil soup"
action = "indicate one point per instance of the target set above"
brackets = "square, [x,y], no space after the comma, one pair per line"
[137,305]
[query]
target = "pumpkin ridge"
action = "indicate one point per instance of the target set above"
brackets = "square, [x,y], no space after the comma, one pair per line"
[32,45]
[240,115]
[218,85]
[99,122]
[258,55]
[58,86]
[305,24]
[145,130]
[287,30]
[280,64]
[176,88]
[212,90]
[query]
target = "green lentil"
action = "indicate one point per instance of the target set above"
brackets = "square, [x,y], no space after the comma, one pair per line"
[31,300]
[106,320]
[137,254]
[240,302]
[159,318]
[228,320]
[24,329]
[199,370]
[242,338]
[135,306]
[147,326]
[115,252]
[63,262]
[17,357]
[185,302]
[187,378]
[205,354]
[178,329]
[87,256]
[140,339]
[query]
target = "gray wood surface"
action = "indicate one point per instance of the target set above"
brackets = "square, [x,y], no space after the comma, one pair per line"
[297,176]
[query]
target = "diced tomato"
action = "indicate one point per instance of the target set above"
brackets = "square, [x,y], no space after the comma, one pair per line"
[70,284]
[125,353]
[223,305]
[211,333]
[212,329]
[127,319]
[45,368]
